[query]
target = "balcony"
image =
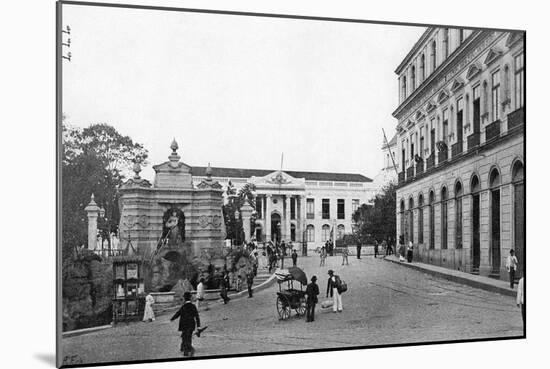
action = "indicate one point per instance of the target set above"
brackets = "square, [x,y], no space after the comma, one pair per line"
[473,140]
[420,167]
[492,130]
[430,161]
[401,177]
[456,149]
[410,172]
[516,118]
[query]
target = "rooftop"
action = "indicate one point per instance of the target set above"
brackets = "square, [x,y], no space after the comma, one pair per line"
[309,176]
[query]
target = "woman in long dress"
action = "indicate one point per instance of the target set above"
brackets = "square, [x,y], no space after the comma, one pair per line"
[149,315]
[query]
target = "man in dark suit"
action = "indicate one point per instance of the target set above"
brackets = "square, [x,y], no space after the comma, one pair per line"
[312,290]
[188,315]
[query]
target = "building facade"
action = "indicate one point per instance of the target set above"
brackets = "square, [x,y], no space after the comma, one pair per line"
[299,206]
[460,147]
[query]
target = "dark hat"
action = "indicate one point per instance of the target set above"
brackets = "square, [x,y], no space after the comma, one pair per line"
[330,271]
[187,296]
[314,278]
[511,251]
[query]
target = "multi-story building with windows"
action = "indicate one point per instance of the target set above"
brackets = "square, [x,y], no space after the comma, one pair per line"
[460,146]
[299,206]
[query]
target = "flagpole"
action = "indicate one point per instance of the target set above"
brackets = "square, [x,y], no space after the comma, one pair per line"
[389,150]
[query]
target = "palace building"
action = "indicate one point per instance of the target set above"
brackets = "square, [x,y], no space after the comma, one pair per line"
[298,206]
[460,148]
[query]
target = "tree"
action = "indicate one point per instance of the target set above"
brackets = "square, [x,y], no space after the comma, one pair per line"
[95,160]
[378,220]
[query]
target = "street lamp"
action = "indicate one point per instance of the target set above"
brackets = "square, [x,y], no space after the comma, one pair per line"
[236,229]
[282,251]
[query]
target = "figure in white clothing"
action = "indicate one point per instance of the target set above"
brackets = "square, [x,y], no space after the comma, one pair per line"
[332,288]
[149,315]
[200,292]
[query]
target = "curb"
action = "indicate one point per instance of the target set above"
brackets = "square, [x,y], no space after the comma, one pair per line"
[78,332]
[458,278]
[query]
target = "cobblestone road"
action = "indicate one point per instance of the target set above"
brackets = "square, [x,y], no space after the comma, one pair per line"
[385,304]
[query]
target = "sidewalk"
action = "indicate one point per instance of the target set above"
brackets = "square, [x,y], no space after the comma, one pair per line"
[477,281]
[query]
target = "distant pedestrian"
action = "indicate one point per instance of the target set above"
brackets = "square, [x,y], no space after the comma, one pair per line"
[149,314]
[312,291]
[294,257]
[323,256]
[200,293]
[410,252]
[332,288]
[224,286]
[249,282]
[401,250]
[520,298]
[512,266]
[358,250]
[255,262]
[375,249]
[345,253]
[189,319]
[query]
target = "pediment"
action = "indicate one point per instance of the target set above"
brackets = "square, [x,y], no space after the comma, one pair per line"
[493,55]
[278,178]
[513,38]
[443,95]
[473,71]
[458,83]
[419,115]
[172,166]
[430,106]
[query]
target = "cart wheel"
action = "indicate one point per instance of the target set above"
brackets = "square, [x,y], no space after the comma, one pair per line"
[301,309]
[283,307]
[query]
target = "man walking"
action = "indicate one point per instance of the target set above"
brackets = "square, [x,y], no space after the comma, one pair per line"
[250,282]
[512,266]
[200,293]
[294,257]
[358,249]
[188,315]
[312,291]
[345,253]
[375,249]
[332,287]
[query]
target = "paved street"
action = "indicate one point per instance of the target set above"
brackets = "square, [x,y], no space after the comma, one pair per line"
[385,304]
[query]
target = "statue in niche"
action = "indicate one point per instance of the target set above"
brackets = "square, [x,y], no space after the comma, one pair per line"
[173,230]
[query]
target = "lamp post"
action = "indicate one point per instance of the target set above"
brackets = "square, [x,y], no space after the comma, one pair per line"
[236,229]
[282,251]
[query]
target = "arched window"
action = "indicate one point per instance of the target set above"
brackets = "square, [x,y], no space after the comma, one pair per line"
[432,220]
[420,219]
[476,226]
[403,217]
[310,233]
[422,68]
[444,218]
[494,184]
[325,233]
[341,230]
[458,215]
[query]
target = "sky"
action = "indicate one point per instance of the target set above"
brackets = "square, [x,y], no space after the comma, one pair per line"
[237,91]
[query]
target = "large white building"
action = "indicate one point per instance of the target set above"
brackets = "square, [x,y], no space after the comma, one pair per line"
[299,206]
[461,119]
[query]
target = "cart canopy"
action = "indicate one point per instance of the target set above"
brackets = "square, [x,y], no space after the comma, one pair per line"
[292,273]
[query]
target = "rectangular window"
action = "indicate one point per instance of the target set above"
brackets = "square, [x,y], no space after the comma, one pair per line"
[432,135]
[341,208]
[445,43]
[354,205]
[476,106]
[495,94]
[421,151]
[445,124]
[326,209]
[310,208]
[292,208]
[460,35]
[519,81]
[459,118]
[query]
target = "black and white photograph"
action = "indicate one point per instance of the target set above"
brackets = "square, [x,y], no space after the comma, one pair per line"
[274,184]
[247,184]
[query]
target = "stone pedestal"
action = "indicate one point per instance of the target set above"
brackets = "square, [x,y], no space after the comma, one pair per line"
[92,210]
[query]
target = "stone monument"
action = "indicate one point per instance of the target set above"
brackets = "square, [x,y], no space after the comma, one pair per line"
[178,228]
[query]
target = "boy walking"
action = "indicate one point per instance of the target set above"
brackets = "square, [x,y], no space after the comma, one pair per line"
[188,315]
[294,257]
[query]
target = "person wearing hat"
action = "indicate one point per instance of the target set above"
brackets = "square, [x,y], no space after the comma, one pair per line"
[512,266]
[312,291]
[332,288]
[188,315]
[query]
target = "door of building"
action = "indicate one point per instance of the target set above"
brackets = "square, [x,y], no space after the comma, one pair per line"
[519,225]
[495,230]
[476,236]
